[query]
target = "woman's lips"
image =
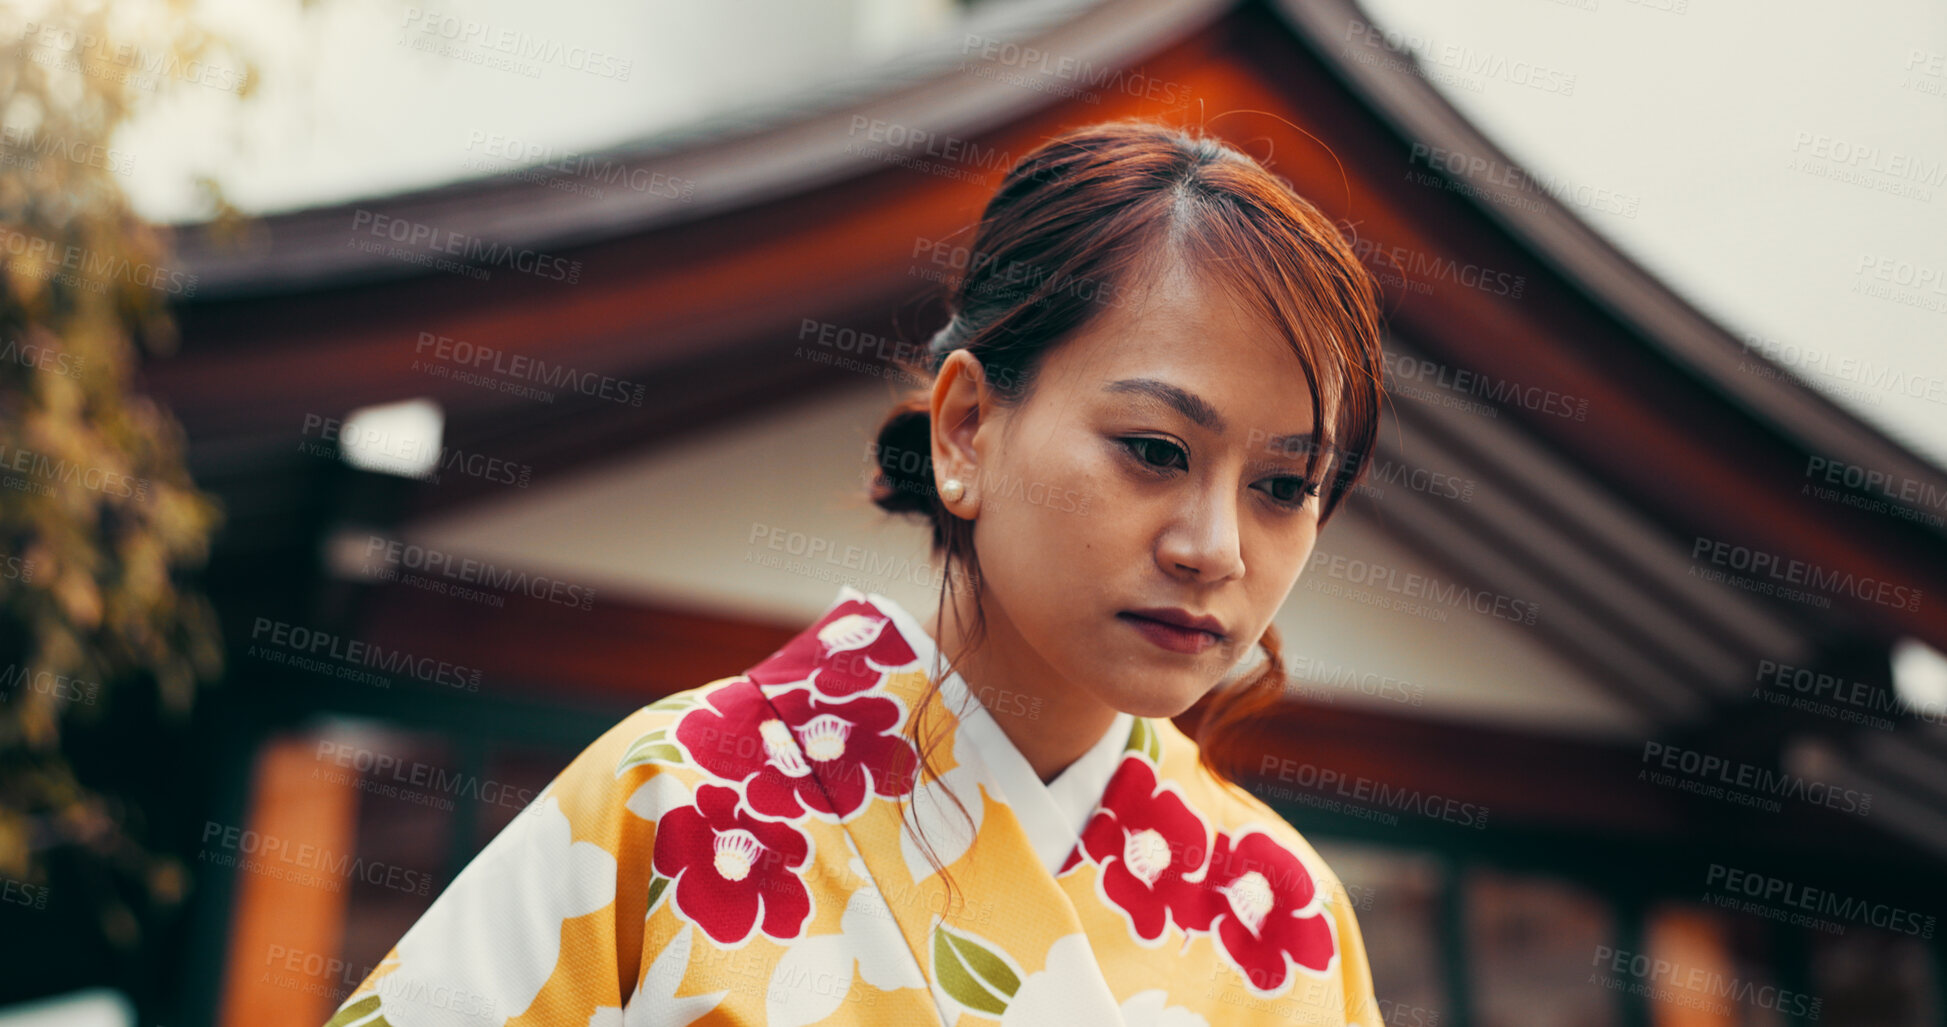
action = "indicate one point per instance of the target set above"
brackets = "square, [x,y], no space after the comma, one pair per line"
[1170,636]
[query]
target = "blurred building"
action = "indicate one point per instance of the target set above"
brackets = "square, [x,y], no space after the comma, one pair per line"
[1559,698]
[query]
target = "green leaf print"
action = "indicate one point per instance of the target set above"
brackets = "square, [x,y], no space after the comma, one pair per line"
[1142,739]
[653,747]
[356,1013]
[966,970]
[673,703]
[656,886]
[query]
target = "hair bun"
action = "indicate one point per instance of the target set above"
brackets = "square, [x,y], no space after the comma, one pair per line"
[904,452]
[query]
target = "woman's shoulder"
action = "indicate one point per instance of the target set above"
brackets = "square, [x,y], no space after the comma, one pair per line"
[1251,864]
[659,718]
[639,759]
[1233,810]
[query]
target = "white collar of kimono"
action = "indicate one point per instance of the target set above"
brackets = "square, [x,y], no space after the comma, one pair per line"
[1052,814]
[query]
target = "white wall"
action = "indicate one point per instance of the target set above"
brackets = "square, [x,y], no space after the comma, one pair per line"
[689,525]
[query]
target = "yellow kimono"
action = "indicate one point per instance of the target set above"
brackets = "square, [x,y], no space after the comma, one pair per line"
[735,854]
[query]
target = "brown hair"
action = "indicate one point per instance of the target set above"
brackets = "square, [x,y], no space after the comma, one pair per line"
[1077,219]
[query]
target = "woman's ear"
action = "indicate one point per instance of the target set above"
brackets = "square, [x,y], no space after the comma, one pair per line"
[961,402]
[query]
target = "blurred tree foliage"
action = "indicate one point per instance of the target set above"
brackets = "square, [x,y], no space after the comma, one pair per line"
[100,525]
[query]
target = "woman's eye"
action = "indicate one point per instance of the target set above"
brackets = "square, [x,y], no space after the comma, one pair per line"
[1157,453]
[1288,490]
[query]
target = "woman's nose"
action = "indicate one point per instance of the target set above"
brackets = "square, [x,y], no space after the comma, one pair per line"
[1204,539]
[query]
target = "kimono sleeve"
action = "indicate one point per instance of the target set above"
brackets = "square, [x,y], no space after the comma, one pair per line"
[545,924]
[1361,1005]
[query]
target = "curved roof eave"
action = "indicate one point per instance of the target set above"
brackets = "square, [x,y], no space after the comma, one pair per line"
[672,307]
[762,154]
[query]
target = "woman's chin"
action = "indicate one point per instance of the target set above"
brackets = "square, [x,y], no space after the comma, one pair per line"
[1164,696]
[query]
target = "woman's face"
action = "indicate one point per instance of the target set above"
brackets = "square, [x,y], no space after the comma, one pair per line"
[1151,477]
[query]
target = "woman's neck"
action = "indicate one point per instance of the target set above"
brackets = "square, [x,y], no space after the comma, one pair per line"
[1051,722]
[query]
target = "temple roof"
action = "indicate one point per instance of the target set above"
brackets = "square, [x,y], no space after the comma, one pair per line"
[1620,449]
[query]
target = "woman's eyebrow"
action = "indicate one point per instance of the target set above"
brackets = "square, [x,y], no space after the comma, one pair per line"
[1189,404]
[1197,409]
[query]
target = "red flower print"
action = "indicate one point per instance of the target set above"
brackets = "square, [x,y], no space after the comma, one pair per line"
[1262,899]
[1146,839]
[794,751]
[847,651]
[732,871]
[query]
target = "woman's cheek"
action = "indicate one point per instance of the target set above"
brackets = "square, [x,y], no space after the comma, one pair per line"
[1095,487]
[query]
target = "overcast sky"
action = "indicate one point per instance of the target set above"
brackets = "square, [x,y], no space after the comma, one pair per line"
[1777,156]
[365,97]
[1775,149]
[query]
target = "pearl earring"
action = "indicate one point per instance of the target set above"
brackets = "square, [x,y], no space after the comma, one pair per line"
[952,489]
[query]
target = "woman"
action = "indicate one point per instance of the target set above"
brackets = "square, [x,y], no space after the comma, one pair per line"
[1160,369]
